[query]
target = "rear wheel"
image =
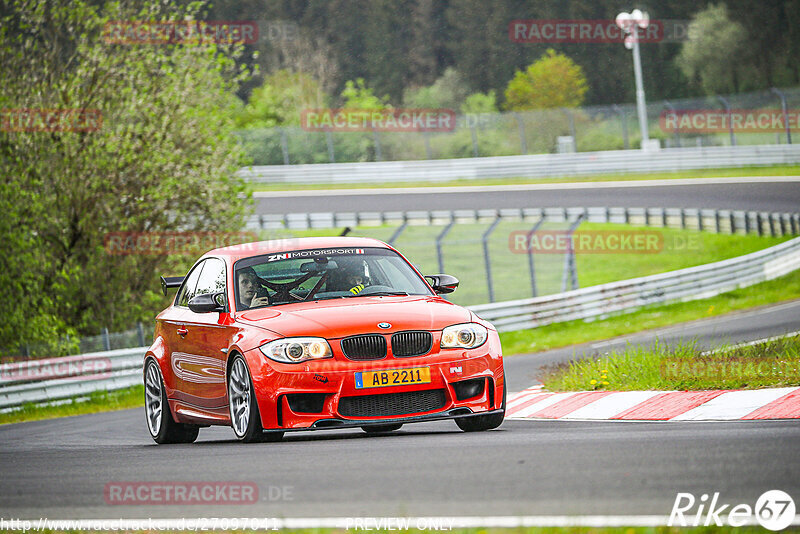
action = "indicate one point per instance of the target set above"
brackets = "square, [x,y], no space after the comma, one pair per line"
[479,423]
[377,429]
[163,429]
[245,417]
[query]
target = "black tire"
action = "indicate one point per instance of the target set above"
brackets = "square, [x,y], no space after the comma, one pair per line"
[377,429]
[162,427]
[243,406]
[479,423]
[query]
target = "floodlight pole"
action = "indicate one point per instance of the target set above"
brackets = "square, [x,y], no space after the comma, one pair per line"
[641,107]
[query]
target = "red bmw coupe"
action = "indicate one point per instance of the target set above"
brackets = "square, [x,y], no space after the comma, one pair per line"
[317,333]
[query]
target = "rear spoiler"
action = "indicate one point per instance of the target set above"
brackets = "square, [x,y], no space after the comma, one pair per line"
[168,282]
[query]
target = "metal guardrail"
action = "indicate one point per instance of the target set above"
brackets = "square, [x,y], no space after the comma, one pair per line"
[54,379]
[627,295]
[528,166]
[712,220]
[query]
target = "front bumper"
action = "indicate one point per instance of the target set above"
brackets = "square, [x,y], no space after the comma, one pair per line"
[338,403]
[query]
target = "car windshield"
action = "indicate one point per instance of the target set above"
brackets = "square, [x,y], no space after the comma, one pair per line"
[318,274]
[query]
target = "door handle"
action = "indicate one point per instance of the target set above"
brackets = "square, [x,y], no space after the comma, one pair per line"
[182,331]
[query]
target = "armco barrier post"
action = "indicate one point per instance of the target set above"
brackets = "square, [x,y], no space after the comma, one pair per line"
[486,259]
[106,339]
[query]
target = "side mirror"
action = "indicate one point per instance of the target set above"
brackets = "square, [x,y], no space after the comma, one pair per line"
[209,302]
[170,282]
[442,283]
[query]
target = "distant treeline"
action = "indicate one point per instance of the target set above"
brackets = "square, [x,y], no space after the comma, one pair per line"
[397,45]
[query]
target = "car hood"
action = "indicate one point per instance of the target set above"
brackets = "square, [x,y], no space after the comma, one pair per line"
[338,318]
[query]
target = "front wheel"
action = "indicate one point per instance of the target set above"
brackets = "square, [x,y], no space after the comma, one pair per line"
[245,417]
[163,429]
[480,423]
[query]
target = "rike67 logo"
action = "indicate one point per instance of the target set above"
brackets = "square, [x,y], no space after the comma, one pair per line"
[774,510]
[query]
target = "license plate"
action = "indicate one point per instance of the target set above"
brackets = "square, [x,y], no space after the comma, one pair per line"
[393,377]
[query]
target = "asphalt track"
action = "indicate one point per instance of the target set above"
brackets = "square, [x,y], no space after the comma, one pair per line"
[758,193]
[59,468]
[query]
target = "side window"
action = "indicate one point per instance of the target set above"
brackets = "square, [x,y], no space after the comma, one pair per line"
[187,290]
[212,279]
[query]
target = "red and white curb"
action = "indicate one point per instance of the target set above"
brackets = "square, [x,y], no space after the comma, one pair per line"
[714,405]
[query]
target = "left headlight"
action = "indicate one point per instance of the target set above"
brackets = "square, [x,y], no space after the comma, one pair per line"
[297,349]
[464,336]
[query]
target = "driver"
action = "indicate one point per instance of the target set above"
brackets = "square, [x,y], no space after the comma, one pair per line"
[349,277]
[249,288]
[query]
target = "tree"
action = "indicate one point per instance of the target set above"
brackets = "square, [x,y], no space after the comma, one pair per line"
[553,81]
[448,91]
[716,52]
[163,159]
[357,95]
[280,99]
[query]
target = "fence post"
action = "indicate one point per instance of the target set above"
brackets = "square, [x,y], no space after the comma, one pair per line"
[377,140]
[531,267]
[771,218]
[474,135]
[624,122]
[106,339]
[523,143]
[285,146]
[759,224]
[427,139]
[732,219]
[140,331]
[329,141]
[677,134]
[785,114]
[399,230]
[683,219]
[572,129]
[570,268]
[439,239]
[730,117]
[716,221]
[486,258]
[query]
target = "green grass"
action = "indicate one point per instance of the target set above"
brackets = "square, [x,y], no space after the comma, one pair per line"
[574,332]
[100,401]
[683,367]
[775,170]
[463,256]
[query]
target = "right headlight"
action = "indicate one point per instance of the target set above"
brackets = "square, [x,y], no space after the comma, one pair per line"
[297,349]
[464,336]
